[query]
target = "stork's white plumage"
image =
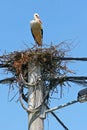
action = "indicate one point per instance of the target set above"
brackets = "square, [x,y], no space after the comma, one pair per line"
[36,29]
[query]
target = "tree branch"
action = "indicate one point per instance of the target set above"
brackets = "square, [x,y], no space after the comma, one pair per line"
[7,80]
[5,65]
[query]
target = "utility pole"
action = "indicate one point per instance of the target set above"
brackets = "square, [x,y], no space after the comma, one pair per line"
[35,97]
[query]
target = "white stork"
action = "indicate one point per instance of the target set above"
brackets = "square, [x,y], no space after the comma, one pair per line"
[36,29]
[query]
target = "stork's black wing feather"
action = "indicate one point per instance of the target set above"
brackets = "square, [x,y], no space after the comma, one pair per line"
[42,33]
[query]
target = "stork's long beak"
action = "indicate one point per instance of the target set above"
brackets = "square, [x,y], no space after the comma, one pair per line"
[40,21]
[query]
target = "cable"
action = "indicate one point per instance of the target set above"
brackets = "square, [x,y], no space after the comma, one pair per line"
[57,118]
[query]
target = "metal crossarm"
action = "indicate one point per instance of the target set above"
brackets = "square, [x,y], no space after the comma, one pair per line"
[61,106]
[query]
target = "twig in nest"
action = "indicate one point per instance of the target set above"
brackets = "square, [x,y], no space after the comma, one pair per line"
[26,83]
[7,80]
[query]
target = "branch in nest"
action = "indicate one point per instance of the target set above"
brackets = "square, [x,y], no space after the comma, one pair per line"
[5,65]
[22,104]
[26,83]
[33,110]
[81,80]
[7,80]
[22,97]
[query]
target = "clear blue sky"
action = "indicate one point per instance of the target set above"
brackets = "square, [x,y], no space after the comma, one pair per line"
[62,20]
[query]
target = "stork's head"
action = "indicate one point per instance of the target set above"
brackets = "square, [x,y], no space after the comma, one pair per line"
[36,17]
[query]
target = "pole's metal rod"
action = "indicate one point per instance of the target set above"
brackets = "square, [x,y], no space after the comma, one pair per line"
[61,106]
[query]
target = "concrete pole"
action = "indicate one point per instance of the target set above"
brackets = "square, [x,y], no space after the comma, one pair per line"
[35,97]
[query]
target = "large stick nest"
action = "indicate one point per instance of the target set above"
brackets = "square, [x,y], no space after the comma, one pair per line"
[54,69]
[17,62]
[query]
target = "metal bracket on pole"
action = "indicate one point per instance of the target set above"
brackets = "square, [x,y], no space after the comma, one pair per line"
[44,112]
